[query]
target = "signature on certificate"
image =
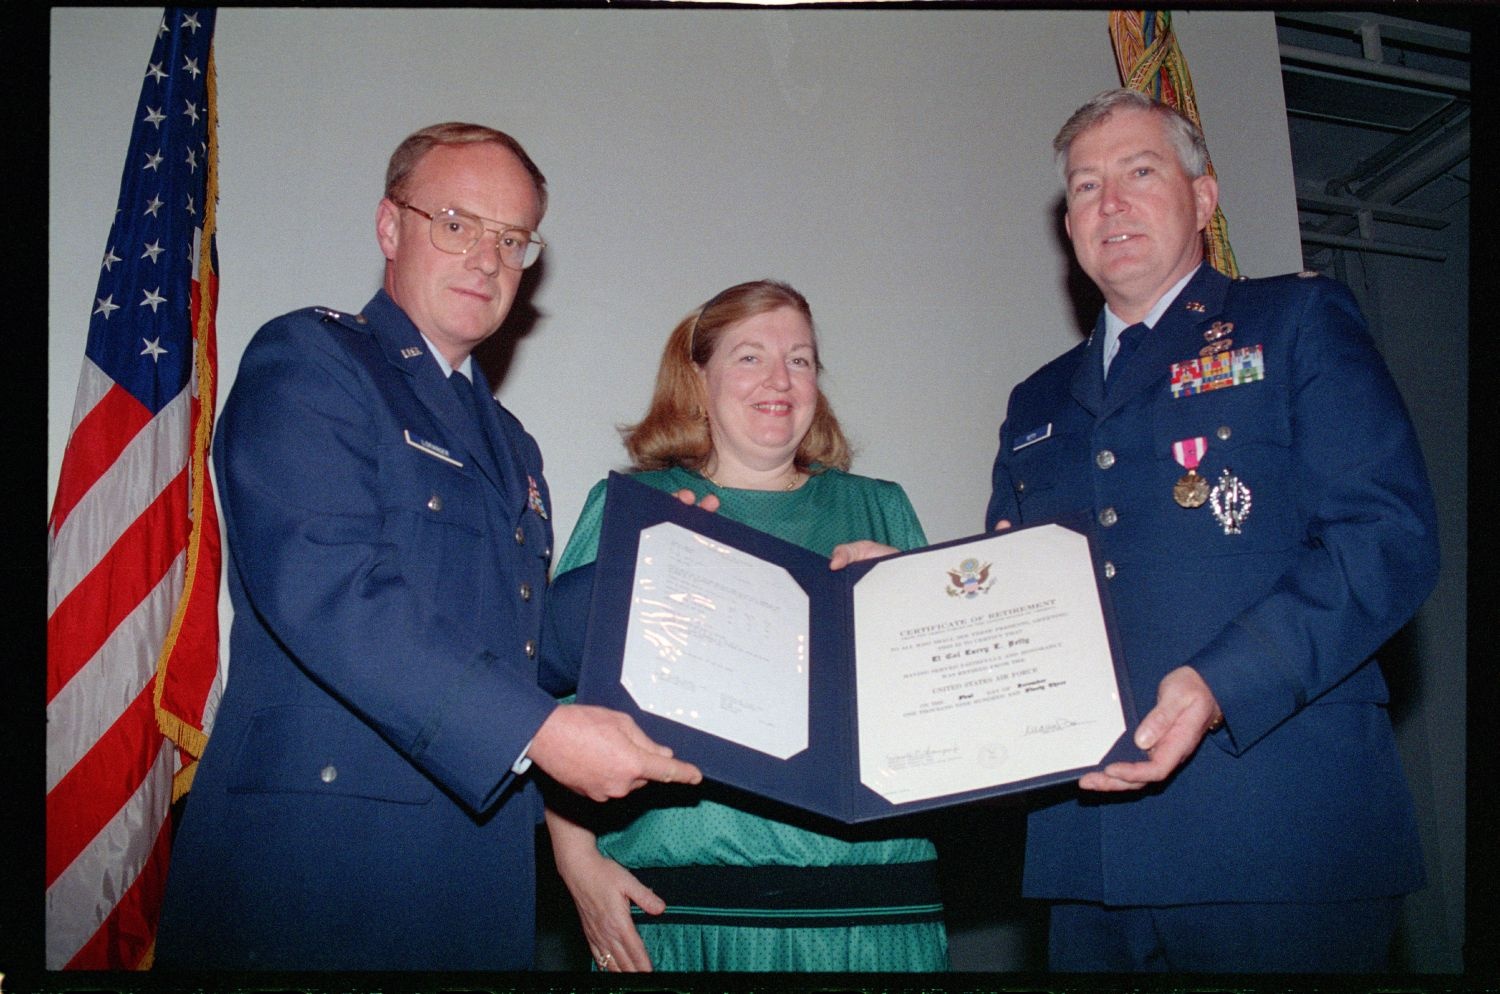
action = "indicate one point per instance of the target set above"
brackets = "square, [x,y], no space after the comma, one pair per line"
[1055,725]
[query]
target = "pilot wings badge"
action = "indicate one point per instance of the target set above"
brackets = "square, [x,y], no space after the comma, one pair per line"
[970,579]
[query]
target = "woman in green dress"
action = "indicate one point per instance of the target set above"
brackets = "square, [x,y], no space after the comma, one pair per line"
[690,878]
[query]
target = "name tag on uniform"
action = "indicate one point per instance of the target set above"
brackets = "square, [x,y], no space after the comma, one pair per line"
[1032,437]
[431,448]
[1215,372]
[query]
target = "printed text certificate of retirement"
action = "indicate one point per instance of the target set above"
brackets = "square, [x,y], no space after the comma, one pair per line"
[982,664]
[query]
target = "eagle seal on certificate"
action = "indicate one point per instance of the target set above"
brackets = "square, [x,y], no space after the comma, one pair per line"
[970,579]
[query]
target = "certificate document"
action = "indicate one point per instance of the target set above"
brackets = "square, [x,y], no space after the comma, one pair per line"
[964,670]
[983,662]
[718,641]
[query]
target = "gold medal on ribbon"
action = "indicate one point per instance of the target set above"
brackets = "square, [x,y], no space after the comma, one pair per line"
[1191,490]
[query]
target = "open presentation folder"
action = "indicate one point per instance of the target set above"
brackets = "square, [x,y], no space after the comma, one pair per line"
[964,670]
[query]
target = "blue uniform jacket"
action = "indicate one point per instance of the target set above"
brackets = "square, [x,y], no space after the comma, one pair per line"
[355,807]
[1301,795]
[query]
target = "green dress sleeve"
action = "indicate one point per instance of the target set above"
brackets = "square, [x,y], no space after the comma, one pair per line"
[583,544]
[901,519]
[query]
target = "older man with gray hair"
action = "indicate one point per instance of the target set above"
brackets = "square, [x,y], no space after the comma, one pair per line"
[365,802]
[1263,524]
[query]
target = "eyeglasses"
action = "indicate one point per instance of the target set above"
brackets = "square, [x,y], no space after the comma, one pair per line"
[456,232]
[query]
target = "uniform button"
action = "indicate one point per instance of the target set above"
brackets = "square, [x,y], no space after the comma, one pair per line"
[1223,433]
[520,535]
[530,648]
[1108,517]
[525,591]
[1020,486]
[329,773]
[1105,459]
[434,503]
[1109,571]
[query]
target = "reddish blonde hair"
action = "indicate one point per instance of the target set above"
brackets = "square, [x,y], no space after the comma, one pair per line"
[674,431]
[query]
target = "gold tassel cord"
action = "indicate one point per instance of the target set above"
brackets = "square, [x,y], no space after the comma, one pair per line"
[189,738]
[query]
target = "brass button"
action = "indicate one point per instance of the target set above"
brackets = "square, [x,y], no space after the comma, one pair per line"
[1108,517]
[1109,570]
[1105,459]
[328,774]
[520,535]
[530,648]
[1020,486]
[1223,433]
[434,503]
[525,591]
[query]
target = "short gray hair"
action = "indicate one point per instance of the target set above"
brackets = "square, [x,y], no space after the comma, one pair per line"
[409,153]
[1186,137]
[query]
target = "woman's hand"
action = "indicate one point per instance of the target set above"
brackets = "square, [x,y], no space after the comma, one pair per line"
[853,552]
[709,502]
[603,891]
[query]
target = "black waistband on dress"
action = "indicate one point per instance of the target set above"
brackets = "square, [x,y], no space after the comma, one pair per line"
[795,896]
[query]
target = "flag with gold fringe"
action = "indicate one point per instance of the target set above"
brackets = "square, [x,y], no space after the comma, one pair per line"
[1150,60]
[133,539]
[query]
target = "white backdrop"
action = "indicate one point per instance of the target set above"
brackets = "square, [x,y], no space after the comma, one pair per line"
[893,165]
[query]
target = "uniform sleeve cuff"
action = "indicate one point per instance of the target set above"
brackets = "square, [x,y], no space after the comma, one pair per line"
[523,761]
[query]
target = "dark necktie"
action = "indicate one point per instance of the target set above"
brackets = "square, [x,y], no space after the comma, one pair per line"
[1130,340]
[468,397]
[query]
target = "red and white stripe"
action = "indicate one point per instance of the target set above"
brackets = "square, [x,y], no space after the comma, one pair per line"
[121,566]
[116,559]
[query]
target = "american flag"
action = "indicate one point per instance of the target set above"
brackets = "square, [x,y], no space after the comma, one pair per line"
[133,540]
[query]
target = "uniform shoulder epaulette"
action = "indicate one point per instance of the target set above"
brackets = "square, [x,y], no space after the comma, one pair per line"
[329,314]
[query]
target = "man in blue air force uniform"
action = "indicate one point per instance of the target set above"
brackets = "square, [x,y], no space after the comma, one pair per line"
[1264,523]
[363,803]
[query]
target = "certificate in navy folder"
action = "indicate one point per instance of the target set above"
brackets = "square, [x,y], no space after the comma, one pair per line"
[964,670]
